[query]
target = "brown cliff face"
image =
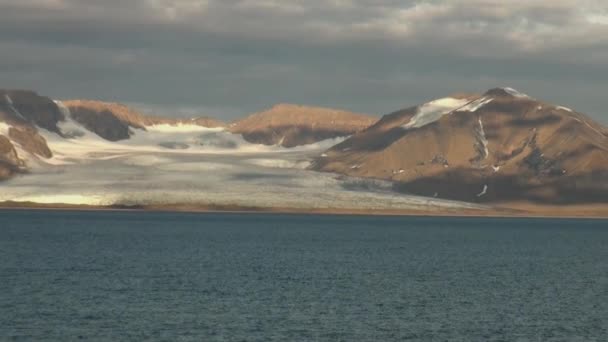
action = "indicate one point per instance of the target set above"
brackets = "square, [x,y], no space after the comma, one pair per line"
[9,160]
[7,151]
[291,125]
[511,147]
[113,121]
[27,107]
[31,141]
[24,111]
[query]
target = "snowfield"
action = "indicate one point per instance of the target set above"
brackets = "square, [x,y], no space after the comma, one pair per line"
[433,111]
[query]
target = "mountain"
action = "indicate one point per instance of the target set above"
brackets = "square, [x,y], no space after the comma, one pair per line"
[87,153]
[290,125]
[494,147]
[113,121]
[21,113]
[35,129]
[26,117]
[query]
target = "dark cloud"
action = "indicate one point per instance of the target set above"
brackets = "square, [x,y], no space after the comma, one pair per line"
[231,57]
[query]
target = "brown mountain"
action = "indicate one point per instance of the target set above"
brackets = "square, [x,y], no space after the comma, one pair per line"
[113,121]
[495,147]
[21,113]
[292,125]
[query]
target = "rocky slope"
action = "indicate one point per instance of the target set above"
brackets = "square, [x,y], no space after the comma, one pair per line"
[24,113]
[292,125]
[26,118]
[499,146]
[21,113]
[113,121]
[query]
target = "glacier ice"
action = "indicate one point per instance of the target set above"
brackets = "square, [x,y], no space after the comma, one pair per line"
[218,168]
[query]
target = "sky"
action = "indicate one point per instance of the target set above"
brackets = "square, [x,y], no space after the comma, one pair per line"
[228,58]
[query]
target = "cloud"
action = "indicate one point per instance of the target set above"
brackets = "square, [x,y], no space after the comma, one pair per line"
[365,55]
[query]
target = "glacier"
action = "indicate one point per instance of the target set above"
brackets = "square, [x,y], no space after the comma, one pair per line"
[211,167]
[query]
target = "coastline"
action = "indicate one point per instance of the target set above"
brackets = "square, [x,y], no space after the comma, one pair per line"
[511,210]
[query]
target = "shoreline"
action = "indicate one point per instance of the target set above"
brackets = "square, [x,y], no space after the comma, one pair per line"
[514,211]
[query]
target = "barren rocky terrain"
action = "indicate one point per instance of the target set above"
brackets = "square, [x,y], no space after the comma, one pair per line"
[502,149]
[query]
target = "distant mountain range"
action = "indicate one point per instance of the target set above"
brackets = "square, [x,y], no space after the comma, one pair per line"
[499,146]
[24,113]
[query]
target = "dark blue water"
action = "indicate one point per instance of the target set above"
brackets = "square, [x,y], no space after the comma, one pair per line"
[221,277]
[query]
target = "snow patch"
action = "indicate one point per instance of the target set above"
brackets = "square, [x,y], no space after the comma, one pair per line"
[433,111]
[319,145]
[74,199]
[483,139]
[480,144]
[476,105]
[564,108]
[63,109]
[514,92]
[484,191]
[4,127]
[181,128]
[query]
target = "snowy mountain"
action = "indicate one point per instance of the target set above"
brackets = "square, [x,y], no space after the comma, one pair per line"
[495,148]
[94,153]
[499,146]
[36,129]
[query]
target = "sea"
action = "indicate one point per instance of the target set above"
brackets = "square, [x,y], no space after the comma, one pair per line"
[150,276]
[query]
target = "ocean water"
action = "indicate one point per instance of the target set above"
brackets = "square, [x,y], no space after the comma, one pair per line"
[129,276]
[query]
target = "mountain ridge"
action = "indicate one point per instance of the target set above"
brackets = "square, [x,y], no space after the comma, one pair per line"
[24,115]
[495,146]
[290,125]
[491,147]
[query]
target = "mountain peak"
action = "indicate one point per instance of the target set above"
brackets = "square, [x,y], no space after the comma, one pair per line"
[501,146]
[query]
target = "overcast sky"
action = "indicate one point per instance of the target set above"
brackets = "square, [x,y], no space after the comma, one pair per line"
[227,58]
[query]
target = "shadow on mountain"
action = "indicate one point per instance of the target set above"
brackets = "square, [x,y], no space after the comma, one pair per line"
[467,185]
[292,136]
[372,141]
[40,110]
[535,122]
